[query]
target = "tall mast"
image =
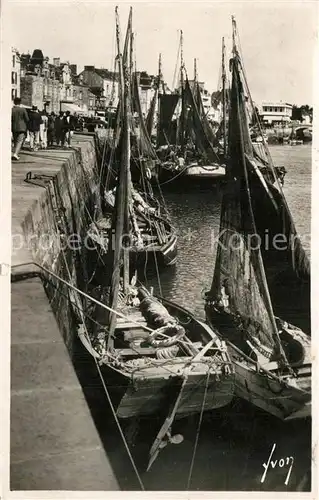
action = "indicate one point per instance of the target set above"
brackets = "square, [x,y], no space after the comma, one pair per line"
[160,75]
[160,84]
[224,95]
[122,200]
[195,70]
[182,94]
[234,29]
[128,71]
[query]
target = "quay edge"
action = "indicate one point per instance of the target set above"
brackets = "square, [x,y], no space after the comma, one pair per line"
[54,442]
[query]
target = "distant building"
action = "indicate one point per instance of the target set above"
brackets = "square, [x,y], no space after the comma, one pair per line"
[48,85]
[103,84]
[15,74]
[275,113]
[146,90]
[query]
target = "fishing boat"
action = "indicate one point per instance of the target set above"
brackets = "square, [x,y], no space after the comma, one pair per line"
[272,357]
[152,234]
[159,354]
[186,144]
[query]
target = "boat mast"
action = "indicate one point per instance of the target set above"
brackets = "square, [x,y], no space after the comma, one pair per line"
[126,148]
[123,190]
[182,93]
[195,70]
[160,84]
[224,96]
[234,29]
[160,74]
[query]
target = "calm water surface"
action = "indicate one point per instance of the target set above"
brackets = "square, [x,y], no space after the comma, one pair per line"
[236,441]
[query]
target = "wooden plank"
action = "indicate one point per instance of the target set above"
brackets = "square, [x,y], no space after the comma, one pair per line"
[130,326]
[137,350]
[136,334]
[204,350]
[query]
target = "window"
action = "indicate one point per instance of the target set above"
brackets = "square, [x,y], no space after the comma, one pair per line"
[80,94]
[91,103]
[13,77]
[13,61]
[276,109]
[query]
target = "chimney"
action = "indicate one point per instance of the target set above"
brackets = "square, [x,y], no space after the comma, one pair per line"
[56,61]
[89,68]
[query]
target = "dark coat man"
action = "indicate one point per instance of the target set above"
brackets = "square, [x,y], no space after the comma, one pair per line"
[19,126]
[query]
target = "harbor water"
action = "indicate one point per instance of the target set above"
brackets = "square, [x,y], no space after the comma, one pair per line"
[236,441]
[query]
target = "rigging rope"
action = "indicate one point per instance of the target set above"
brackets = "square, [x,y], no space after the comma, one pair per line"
[197,433]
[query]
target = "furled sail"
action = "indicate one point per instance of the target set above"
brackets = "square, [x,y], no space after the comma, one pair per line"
[239,283]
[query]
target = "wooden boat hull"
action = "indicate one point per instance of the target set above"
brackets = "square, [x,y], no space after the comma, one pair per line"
[285,401]
[145,389]
[162,255]
[190,174]
[146,396]
[165,255]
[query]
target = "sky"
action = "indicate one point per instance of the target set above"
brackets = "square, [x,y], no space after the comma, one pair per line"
[277,38]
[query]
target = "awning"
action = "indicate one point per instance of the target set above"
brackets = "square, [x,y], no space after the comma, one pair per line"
[73,108]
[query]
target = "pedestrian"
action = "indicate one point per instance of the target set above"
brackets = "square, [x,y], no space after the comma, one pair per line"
[19,127]
[81,123]
[68,127]
[58,129]
[51,129]
[44,130]
[35,121]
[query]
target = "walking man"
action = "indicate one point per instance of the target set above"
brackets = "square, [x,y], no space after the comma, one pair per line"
[67,129]
[51,129]
[58,129]
[35,121]
[44,130]
[19,127]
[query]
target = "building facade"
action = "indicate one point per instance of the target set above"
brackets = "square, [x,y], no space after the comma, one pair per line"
[15,74]
[146,84]
[103,84]
[48,85]
[275,113]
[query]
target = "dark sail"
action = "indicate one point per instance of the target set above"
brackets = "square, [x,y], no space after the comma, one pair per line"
[239,281]
[286,264]
[199,102]
[203,141]
[166,127]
